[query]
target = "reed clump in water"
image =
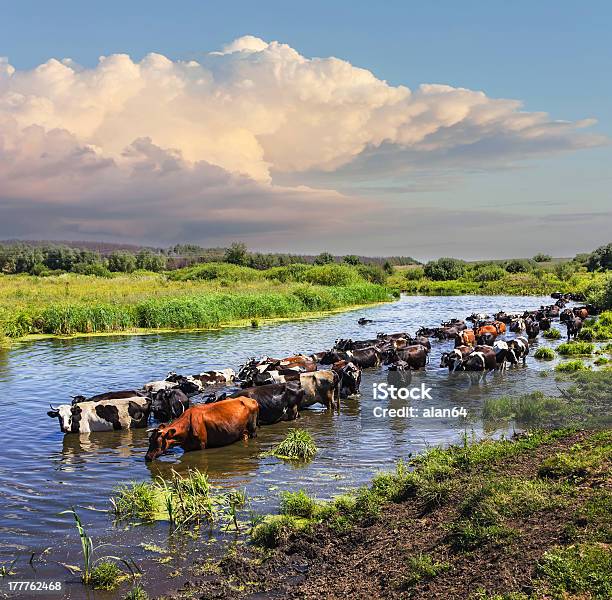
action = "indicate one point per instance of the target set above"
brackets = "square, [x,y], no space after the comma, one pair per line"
[544,353]
[182,500]
[299,445]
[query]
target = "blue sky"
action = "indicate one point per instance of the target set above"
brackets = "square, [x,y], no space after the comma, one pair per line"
[554,57]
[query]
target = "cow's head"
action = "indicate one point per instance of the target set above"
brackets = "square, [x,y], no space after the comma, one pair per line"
[162,439]
[68,415]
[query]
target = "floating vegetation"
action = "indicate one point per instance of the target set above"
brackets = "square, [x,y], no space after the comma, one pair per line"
[299,445]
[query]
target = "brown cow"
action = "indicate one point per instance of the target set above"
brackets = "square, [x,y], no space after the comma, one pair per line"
[467,337]
[500,326]
[486,329]
[206,426]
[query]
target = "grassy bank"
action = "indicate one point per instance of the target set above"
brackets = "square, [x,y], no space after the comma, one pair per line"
[70,304]
[514,284]
[524,518]
[513,519]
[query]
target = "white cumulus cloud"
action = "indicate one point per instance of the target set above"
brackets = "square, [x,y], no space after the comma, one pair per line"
[118,133]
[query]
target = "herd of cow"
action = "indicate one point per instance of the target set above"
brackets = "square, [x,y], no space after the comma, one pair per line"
[269,390]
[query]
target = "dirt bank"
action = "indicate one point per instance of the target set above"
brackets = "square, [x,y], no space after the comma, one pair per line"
[528,518]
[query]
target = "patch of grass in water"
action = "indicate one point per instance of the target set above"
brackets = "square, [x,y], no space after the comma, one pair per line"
[298,445]
[576,348]
[106,575]
[544,353]
[136,593]
[553,334]
[570,366]
[182,500]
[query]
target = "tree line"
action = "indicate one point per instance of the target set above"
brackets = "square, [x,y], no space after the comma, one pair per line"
[44,259]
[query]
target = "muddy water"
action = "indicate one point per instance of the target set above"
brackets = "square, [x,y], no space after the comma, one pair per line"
[43,472]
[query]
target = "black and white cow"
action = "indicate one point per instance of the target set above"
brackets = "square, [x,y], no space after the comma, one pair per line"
[105,415]
[216,377]
[520,348]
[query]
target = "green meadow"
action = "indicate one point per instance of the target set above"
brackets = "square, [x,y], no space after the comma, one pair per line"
[207,296]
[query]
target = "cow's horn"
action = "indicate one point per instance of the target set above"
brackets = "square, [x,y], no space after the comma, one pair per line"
[152,429]
[53,407]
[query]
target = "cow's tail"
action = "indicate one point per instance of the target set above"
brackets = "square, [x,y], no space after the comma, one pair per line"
[336,392]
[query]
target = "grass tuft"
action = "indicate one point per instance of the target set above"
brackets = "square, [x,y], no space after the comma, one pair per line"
[299,445]
[545,353]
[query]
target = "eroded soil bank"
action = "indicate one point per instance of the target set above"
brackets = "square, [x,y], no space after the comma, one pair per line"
[527,518]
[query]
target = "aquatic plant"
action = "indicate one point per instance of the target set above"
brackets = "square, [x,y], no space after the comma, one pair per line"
[576,348]
[106,575]
[136,593]
[299,445]
[182,500]
[571,366]
[553,334]
[544,353]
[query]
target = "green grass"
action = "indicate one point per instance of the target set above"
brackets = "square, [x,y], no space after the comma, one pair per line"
[428,478]
[553,334]
[422,567]
[106,575]
[298,445]
[576,348]
[581,460]
[570,366]
[136,593]
[69,304]
[581,570]
[182,500]
[545,353]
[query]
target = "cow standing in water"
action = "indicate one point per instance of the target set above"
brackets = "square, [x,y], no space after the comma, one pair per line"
[104,415]
[206,426]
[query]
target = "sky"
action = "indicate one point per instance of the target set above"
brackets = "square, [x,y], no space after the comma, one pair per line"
[474,129]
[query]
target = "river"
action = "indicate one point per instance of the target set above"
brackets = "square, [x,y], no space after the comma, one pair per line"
[43,472]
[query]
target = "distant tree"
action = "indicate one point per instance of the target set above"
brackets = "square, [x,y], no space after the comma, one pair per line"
[257,260]
[444,269]
[541,257]
[518,265]
[352,259]
[150,261]
[325,258]
[60,257]
[236,254]
[600,259]
[121,262]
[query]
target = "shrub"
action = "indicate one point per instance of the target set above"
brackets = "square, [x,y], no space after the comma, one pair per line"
[325,258]
[489,273]
[518,265]
[298,504]
[600,259]
[444,269]
[414,274]
[373,274]
[340,275]
[545,353]
[541,257]
[213,271]
[236,254]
